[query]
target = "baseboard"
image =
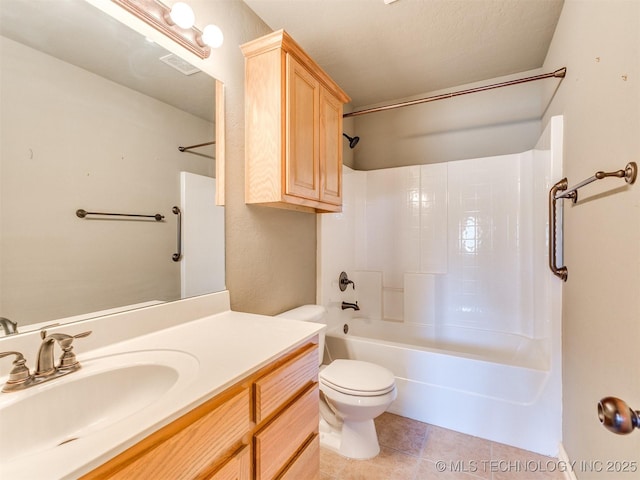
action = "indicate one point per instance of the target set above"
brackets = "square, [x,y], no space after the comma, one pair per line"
[569,474]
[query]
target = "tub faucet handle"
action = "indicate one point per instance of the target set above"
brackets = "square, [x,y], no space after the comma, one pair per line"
[344,282]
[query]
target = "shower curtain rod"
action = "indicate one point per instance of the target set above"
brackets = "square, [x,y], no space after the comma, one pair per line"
[184,149]
[560,73]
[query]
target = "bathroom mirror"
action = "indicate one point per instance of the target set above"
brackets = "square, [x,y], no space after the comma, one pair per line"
[92,117]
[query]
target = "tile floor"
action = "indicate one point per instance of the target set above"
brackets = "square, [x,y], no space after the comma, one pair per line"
[412,450]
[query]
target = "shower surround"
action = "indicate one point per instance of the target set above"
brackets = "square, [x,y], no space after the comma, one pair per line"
[450,262]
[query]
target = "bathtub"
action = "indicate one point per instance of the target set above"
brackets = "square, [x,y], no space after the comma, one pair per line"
[487,384]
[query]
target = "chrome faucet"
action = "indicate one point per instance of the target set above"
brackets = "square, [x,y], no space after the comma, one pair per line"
[346,305]
[8,326]
[20,377]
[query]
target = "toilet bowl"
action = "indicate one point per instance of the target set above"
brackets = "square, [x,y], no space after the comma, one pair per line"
[352,394]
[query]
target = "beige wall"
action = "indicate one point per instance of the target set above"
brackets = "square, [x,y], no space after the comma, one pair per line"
[599,43]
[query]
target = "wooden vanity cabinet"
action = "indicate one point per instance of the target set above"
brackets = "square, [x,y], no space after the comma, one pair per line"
[287,415]
[265,427]
[293,128]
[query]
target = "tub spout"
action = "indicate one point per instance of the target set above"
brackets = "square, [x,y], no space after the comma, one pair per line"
[346,305]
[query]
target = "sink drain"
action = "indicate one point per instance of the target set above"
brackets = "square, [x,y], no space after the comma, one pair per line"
[68,440]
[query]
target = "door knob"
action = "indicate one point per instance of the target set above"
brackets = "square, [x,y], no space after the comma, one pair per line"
[616,416]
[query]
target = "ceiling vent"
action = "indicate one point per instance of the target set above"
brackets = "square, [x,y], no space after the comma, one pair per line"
[179,64]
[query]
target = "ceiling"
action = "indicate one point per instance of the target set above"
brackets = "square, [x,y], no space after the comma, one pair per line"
[380,52]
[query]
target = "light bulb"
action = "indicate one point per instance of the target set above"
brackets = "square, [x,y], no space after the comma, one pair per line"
[182,15]
[212,36]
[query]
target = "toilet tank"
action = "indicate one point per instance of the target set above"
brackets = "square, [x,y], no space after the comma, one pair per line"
[309,313]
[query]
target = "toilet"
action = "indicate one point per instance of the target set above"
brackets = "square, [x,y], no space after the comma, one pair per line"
[352,394]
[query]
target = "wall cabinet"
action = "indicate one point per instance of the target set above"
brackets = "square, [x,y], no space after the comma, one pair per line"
[263,428]
[293,128]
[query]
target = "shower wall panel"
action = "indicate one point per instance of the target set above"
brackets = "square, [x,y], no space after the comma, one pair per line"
[453,243]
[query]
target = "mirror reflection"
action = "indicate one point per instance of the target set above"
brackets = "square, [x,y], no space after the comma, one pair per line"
[92,118]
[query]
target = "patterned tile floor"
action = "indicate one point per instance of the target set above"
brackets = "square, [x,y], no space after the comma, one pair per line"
[412,450]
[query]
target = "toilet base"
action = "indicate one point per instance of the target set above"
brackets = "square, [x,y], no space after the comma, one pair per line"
[357,440]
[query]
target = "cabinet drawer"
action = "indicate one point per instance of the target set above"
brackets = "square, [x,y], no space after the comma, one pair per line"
[189,452]
[238,467]
[277,443]
[307,464]
[275,389]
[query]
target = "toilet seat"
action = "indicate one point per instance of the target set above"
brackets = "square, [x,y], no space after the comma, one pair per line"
[355,377]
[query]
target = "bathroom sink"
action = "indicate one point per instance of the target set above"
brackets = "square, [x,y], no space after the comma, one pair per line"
[105,391]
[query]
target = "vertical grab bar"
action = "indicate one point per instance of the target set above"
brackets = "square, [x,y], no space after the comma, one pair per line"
[177,256]
[558,271]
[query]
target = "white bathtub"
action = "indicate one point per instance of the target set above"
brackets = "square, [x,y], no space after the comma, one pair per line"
[487,384]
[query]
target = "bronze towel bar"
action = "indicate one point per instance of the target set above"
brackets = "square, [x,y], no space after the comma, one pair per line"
[561,190]
[83,213]
[184,149]
[629,174]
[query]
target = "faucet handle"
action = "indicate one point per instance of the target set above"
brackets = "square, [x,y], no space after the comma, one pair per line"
[63,338]
[19,374]
[68,359]
[343,282]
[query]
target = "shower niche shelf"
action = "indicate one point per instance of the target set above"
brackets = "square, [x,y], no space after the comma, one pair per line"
[293,129]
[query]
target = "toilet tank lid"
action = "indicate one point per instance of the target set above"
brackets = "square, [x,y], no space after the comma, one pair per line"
[305,313]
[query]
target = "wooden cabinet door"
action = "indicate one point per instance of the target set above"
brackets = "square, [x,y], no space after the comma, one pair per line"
[330,148]
[302,170]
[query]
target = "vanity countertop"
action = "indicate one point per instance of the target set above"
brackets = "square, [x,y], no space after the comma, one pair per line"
[225,347]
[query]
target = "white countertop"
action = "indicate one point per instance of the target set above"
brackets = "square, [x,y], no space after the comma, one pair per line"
[227,346]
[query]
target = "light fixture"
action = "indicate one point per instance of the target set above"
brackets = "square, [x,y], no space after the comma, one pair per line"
[176,23]
[182,15]
[212,36]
